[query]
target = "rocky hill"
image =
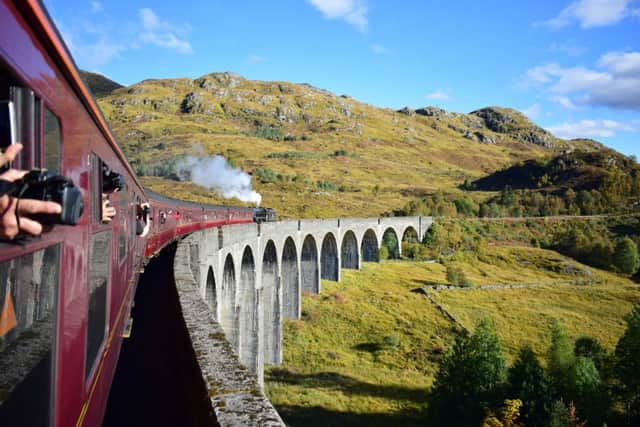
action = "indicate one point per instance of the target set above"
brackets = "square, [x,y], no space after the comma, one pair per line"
[313,153]
[99,84]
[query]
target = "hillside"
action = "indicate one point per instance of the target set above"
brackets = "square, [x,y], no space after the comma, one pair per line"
[577,170]
[365,353]
[99,84]
[313,153]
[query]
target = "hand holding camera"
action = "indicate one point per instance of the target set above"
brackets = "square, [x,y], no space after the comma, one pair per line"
[19,217]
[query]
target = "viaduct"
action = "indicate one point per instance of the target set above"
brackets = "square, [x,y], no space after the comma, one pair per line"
[243,280]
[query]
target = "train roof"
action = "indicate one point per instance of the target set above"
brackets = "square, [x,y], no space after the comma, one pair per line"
[50,36]
[156,196]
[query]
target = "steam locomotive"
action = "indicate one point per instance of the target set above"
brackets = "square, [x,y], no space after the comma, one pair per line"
[66,297]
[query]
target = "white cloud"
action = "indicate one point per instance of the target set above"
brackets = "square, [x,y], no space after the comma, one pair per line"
[568,48]
[353,12]
[532,112]
[439,95]
[591,13]
[96,6]
[160,33]
[622,63]
[563,101]
[255,59]
[597,128]
[378,49]
[615,85]
[93,48]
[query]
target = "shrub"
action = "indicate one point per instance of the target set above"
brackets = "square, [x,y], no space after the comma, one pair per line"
[456,276]
[383,253]
[391,341]
[412,251]
[273,133]
[326,186]
[625,256]
[265,175]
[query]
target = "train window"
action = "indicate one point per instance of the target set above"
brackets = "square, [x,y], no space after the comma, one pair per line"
[7,124]
[52,142]
[96,186]
[122,245]
[27,109]
[28,300]
[98,282]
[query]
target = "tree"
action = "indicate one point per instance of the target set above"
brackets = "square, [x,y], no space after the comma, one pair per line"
[591,348]
[390,241]
[528,382]
[574,421]
[469,380]
[466,206]
[559,415]
[560,360]
[509,415]
[506,197]
[587,390]
[627,366]
[625,256]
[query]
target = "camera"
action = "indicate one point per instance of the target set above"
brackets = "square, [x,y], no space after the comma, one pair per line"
[146,210]
[41,184]
[111,181]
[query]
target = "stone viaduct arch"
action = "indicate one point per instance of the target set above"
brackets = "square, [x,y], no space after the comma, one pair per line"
[309,265]
[290,281]
[252,276]
[228,317]
[391,241]
[369,247]
[329,259]
[248,310]
[210,293]
[271,302]
[349,252]
[410,235]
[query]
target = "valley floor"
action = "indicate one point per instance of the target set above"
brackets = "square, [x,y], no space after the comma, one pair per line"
[367,349]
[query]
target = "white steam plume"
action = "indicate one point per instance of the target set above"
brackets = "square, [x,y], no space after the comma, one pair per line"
[216,174]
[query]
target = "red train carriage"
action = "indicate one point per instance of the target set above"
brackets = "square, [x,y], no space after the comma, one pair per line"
[65,297]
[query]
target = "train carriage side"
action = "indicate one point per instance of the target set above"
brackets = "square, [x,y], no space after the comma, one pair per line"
[64,297]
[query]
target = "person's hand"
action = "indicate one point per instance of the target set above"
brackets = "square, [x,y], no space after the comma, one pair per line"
[147,222]
[12,221]
[108,211]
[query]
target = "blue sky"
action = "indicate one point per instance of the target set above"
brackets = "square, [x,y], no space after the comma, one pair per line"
[572,66]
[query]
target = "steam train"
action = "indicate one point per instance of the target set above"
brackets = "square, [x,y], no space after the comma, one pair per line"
[66,297]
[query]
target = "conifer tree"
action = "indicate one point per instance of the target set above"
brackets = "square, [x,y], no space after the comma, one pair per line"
[528,382]
[470,379]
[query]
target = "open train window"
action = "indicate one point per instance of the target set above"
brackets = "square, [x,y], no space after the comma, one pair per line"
[97,324]
[52,142]
[28,300]
[20,116]
[96,188]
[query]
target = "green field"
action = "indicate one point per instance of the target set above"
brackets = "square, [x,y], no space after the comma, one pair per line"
[366,350]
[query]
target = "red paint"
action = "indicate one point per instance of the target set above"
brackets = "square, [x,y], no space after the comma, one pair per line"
[30,47]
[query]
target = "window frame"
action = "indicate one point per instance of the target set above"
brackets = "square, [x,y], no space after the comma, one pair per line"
[90,372]
[55,319]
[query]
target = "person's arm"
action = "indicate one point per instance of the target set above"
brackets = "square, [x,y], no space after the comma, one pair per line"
[13,215]
[147,219]
[108,211]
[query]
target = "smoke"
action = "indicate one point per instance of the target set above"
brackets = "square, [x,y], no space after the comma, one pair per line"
[215,173]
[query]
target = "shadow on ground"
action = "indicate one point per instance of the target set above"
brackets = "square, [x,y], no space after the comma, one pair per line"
[331,381]
[295,416]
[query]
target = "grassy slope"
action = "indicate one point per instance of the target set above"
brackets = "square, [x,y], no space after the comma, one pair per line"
[391,156]
[337,370]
